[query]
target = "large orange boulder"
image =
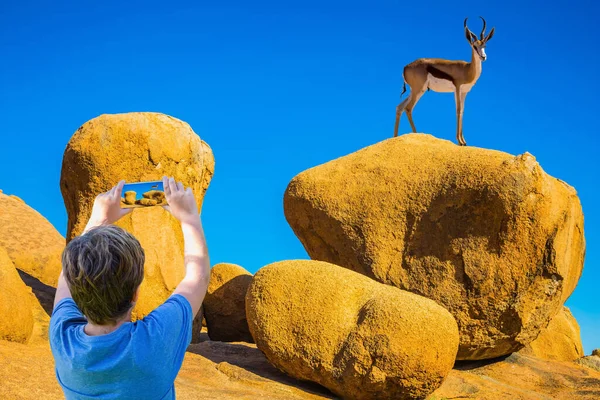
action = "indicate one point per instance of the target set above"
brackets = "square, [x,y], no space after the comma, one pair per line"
[137,147]
[490,236]
[32,243]
[560,341]
[16,317]
[358,338]
[225,304]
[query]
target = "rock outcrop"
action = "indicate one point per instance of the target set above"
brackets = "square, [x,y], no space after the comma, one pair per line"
[592,361]
[488,235]
[360,339]
[35,250]
[137,147]
[225,304]
[520,377]
[16,317]
[226,371]
[210,370]
[560,341]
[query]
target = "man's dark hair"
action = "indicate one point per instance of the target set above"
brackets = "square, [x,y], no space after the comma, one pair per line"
[104,267]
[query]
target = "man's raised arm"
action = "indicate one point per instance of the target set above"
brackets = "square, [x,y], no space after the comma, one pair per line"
[182,205]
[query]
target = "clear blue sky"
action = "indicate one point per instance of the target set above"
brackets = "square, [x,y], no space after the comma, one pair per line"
[278,87]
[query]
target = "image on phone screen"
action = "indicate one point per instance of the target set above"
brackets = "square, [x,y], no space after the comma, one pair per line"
[143,194]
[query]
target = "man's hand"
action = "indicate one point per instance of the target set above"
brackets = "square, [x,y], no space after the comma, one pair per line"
[107,208]
[182,203]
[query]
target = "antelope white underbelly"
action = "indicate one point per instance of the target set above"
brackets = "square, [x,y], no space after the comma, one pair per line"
[439,85]
[445,86]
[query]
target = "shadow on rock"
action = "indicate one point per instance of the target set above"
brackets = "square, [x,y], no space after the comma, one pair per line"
[225,311]
[467,365]
[43,292]
[251,359]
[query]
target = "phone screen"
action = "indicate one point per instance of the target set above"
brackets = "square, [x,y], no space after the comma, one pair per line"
[143,194]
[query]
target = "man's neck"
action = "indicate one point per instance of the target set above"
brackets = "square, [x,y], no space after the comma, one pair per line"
[92,329]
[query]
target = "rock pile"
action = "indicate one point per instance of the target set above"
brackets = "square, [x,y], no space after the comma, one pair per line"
[428,252]
[489,236]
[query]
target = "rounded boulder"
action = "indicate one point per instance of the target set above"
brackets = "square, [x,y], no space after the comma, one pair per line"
[225,304]
[358,338]
[16,316]
[31,241]
[137,147]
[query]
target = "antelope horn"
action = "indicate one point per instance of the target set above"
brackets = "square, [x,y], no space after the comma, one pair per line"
[482,35]
[471,35]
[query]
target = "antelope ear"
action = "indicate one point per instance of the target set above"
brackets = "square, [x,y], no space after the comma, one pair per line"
[470,36]
[489,36]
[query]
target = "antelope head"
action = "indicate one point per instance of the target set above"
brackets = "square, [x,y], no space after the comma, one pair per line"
[478,44]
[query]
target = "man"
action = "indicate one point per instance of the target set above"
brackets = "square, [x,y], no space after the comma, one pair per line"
[98,352]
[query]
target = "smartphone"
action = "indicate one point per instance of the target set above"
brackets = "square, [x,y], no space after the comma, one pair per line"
[143,194]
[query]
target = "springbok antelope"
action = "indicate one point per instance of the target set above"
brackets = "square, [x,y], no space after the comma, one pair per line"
[447,76]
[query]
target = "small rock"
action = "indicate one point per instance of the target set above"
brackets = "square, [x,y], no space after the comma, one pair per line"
[225,304]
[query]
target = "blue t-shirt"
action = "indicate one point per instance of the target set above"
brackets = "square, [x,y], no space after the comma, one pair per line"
[138,360]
